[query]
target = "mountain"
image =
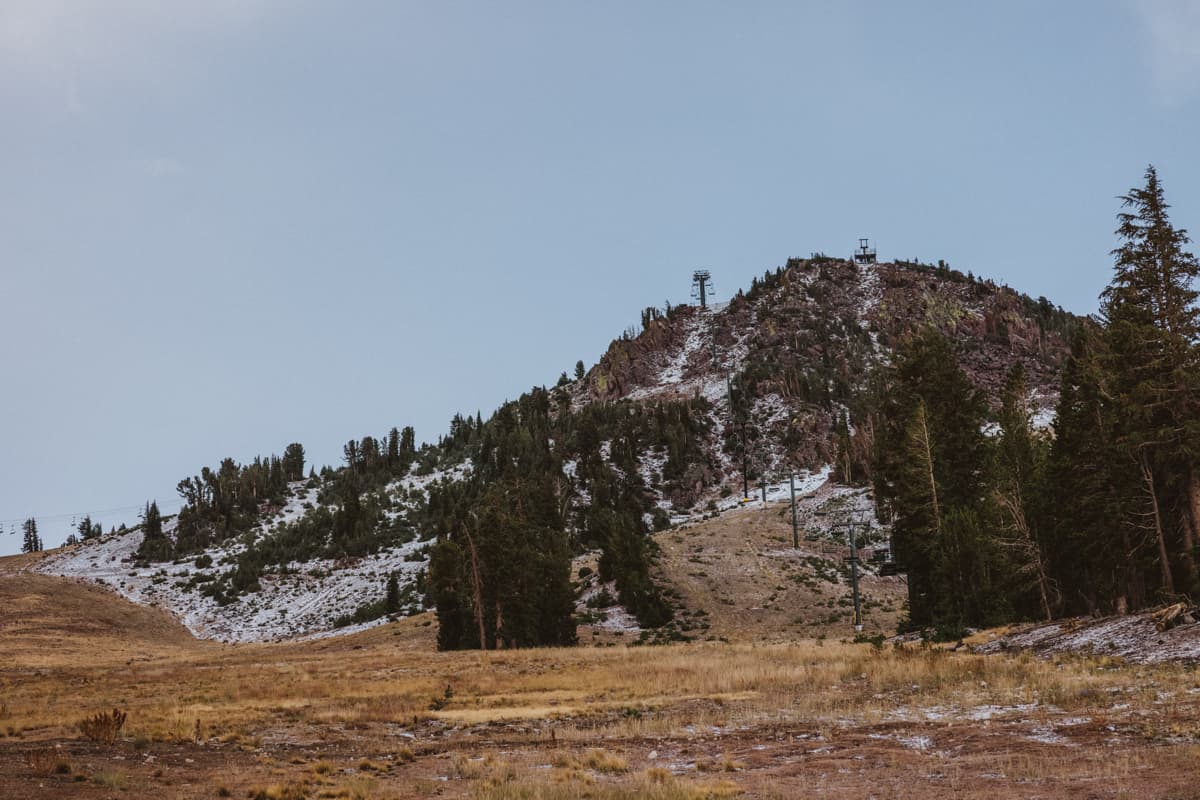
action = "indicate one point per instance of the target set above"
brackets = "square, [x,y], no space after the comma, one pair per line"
[537,526]
[802,346]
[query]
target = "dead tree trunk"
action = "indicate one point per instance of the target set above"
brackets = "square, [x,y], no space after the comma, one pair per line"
[927,454]
[1148,484]
[477,591]
[1191,527]
[1011,501]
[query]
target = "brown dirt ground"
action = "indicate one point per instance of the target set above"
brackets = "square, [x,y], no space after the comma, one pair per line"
[740,570]
[369,715]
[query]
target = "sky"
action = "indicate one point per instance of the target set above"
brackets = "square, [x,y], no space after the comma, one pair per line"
[227,225]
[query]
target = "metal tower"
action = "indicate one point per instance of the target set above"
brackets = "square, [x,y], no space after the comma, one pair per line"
[865,254]
[852,526]
[701,286]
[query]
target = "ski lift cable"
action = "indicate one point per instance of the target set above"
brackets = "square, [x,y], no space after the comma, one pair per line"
[75,514]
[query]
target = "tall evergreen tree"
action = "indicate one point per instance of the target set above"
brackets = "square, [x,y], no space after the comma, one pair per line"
[352,453]
[1094,543]
[500,572]
[31,542]
[1019,482]
[408,444]
[293,461]
[155,545]
[88,529]
[1152,331]
[393,448]
[930,473]
[392,596]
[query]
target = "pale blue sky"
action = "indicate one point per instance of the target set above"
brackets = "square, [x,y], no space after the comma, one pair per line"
[229,225]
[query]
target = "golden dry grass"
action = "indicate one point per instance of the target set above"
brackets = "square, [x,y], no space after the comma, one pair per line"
[351,717]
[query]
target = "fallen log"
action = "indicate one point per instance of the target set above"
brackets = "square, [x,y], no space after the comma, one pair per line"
[1174,615]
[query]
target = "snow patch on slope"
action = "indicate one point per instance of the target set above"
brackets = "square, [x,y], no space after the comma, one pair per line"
[673,372]
[1134,638]
[870,290]
[413,482]
[302,600]
[612,618]
[296,604]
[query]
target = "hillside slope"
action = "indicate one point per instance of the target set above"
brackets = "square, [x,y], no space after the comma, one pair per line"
[45,619]
[738,578]
[796,354]
[676,421]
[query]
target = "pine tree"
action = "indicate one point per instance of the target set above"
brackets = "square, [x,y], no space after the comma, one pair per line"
[393,449]
[930,474]
[1019,476]
[449,589]
[352,452]
[500,572]
[1095,545]
[350,522]
[155,545]
[845,458]
[1152,333]
[408,446]
[87,529]
[293,461]
[579,370]
[369,452]
[31,542]
[392,600]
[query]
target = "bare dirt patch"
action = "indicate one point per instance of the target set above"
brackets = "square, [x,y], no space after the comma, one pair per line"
[739,579]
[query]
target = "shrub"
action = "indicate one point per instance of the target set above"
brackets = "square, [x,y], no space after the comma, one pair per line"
[104,726]
[604,761]
[602,599]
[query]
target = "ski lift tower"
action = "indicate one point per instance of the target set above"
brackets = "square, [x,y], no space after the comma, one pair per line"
[865,254]
[701,286]
[852,527]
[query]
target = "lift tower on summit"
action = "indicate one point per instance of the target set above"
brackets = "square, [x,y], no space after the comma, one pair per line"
[701,286]
[865,254]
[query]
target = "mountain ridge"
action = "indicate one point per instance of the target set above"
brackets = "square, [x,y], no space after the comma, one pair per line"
[762,384]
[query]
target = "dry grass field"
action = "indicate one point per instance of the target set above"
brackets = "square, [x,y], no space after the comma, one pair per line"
[382,715]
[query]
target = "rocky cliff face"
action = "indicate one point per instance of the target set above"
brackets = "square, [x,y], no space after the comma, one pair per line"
[787,362]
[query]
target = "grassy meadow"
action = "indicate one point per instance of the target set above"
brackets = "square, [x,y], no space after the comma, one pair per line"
[382,715]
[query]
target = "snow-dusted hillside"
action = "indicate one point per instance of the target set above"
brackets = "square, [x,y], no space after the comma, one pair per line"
[797,351]
[301,603]
[303,600]
[801,346]
[306,599]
